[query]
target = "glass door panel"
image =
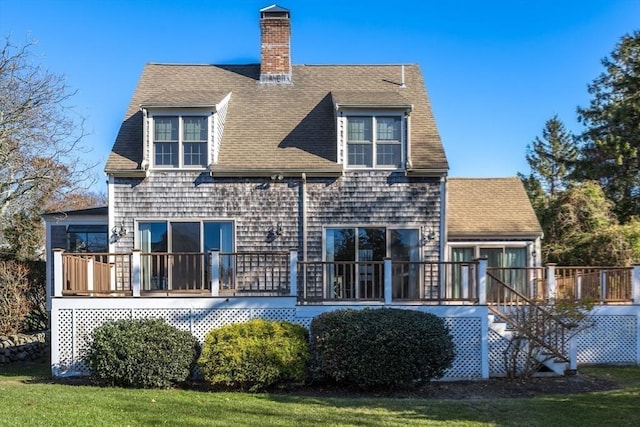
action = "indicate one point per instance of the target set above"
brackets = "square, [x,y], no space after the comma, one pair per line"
[153,239]
[340,255]
[455,286]
[187,260]
[219,236]
[404,247]
[372,246]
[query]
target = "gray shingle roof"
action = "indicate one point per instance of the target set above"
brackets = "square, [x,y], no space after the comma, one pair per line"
[489,207]
[291,127]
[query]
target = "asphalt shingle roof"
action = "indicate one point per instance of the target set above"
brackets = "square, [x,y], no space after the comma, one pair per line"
[286,126]
[489,207]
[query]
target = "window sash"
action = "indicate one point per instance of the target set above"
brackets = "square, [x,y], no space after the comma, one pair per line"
[374,141]
[180,141]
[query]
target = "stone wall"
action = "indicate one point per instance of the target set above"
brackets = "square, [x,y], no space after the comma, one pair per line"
[23,347]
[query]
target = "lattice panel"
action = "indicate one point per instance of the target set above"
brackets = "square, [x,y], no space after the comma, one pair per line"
[498,345]
[612,339]
[86,320]
[281,314]
[303,321]
[178,317]
[65,339]
[205,320]
[466,332]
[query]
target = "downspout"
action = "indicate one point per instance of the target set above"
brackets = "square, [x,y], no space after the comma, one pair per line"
[443,218]
[303,208]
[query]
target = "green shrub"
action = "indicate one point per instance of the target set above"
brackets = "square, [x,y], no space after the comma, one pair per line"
[142,353]
[378,348]
[255,355]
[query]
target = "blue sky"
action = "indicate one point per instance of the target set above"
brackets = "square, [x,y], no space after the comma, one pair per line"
[495,70]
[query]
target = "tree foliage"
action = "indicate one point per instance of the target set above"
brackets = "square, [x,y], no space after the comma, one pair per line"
[40,139]
[611,150]
[582,229]
[552,157]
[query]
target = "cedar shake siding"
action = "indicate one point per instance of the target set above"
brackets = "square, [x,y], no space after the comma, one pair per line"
[258,204]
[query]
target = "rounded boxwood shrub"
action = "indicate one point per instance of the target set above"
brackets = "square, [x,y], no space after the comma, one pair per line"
[255,355]
[374,348]
[144,353]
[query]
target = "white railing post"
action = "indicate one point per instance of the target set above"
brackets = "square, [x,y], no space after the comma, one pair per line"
[388,296]
[482,281]
[58,275]
[293,272]
[464,273]
[551,281]
[573,353]
[90,269]
[215,272]
[635,284]
[578,287]
[136,272]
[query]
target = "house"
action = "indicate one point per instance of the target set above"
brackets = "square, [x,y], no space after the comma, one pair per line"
[283,191]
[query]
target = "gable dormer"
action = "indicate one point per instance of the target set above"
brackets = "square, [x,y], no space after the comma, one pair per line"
[183,130]
[373,130]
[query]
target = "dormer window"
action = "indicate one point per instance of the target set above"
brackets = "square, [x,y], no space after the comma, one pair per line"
[180,141]
[374,141]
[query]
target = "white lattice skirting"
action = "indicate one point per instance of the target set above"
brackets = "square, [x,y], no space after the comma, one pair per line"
[613,339]
[73,321]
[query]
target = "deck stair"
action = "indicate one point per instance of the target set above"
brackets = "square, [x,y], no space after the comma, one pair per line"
[514,315]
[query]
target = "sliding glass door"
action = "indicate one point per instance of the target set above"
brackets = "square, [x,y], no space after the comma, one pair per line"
[355,262]
[174,253]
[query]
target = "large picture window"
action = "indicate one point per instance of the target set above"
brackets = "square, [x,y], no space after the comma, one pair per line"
[180,141]
[374,141]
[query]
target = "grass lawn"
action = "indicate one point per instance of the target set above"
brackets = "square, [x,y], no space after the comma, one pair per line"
[29,398]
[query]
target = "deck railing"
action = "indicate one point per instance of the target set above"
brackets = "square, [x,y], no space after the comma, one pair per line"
[279,273]
[96,273]
[254,273]
[405,281]
[600,284]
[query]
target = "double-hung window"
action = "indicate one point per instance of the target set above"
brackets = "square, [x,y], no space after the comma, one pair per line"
[374,141]
[180,141]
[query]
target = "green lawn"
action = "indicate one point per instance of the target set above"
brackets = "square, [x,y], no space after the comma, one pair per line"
[28,398]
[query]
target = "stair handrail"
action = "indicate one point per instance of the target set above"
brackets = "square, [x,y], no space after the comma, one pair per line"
[560,329]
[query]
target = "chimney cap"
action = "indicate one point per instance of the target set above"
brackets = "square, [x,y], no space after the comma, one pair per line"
[274,11]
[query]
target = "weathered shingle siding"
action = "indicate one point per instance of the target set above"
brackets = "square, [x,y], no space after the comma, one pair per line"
[253,206]
[258,204]
[373,198]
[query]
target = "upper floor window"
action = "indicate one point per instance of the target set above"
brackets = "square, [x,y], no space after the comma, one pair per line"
[180,141]
[374,141]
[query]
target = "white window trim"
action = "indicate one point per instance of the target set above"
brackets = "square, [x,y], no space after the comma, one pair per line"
[196,112]
[344,144]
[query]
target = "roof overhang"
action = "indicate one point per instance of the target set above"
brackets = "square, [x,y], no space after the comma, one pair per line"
[274,172]
[426,172]
[498,235]
[126,173]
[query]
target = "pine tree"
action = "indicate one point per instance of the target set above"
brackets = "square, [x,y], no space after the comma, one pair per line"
[611,144]
[552,157]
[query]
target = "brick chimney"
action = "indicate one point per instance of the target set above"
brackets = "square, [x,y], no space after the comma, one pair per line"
[275,47]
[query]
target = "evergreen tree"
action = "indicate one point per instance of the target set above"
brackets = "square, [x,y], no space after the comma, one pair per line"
[551,158]
[611,143]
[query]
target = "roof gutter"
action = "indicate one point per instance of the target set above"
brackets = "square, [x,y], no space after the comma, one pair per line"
[426,172]
[282,173]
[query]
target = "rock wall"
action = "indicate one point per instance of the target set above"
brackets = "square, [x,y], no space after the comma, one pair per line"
[23,347]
